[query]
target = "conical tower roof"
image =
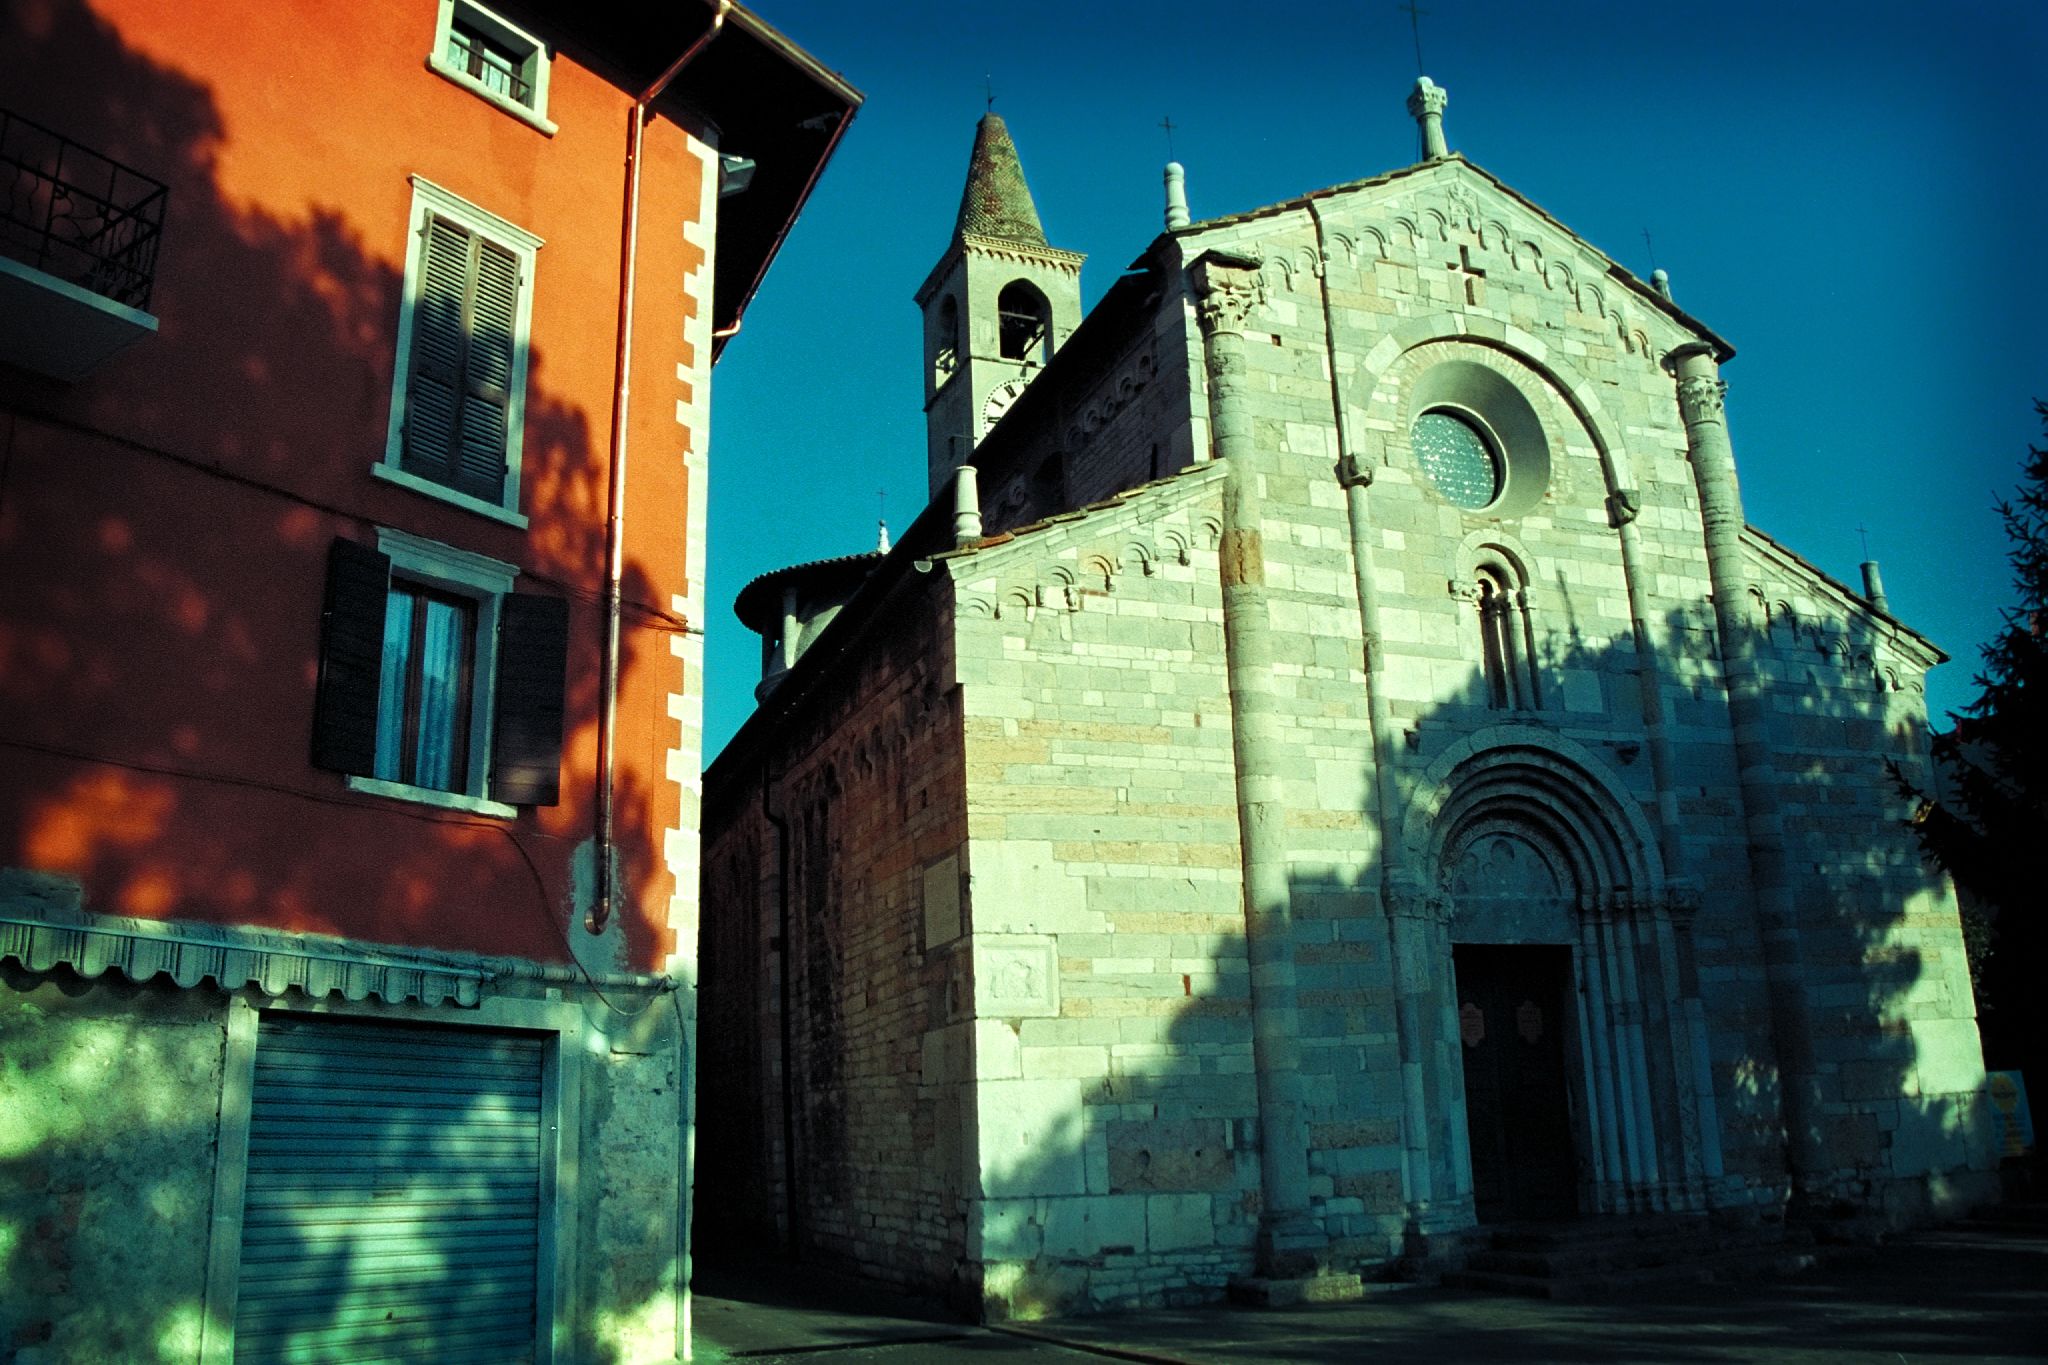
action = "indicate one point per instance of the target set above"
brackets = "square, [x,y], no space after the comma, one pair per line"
[997,202]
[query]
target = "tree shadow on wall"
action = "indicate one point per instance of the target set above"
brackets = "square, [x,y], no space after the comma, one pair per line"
[1164,1141]
[164,530]
[1895,1075]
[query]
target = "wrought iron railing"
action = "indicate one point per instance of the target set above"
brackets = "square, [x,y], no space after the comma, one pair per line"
[497,71]
[72,213]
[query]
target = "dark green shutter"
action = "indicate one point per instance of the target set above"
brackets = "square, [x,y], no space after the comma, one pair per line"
[526,744]
[458,399]
[487,395]
[351,651]
[394,1194]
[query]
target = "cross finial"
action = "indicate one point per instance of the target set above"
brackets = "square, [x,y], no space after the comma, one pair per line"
[1415,13]
[1650,247]
[1167,124]
[1865,533]
[990,82]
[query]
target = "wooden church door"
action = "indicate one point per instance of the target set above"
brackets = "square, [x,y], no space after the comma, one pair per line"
[1511,1003]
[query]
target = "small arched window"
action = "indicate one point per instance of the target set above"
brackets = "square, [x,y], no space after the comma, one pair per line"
[946,341]
[1506,640]
[1025,322]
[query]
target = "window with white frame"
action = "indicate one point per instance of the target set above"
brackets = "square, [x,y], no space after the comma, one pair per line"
[458,406]
[438,683]
[494,59]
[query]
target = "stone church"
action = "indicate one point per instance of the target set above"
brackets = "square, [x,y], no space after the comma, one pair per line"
[1332,768]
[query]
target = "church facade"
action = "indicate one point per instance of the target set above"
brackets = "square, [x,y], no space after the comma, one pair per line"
[1335,769]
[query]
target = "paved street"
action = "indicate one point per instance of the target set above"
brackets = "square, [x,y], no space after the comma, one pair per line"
[1944,1296]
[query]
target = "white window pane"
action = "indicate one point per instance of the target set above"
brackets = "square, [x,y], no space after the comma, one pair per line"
[398,609]
[444,705]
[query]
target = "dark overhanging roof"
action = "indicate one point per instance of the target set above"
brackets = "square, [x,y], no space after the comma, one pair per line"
[759,604]
[763,96]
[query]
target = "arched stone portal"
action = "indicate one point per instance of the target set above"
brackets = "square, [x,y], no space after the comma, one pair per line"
[1578,1061]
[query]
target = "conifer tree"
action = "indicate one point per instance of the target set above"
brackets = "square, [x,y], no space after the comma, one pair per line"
[1983,815]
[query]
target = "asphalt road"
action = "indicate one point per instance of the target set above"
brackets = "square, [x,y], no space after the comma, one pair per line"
[1939,1298]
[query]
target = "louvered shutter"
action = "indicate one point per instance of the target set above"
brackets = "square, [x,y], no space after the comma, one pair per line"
[487,395]
[526,744]
[459,392]
[351,648]
[440,348]
[392,1207]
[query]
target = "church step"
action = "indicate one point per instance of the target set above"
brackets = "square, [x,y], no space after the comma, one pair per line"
[1598,1248]
[2026,1214]
[1252,1291]
[1620,1259]
[1607,1255]
[1723,1266]
[1587,1231]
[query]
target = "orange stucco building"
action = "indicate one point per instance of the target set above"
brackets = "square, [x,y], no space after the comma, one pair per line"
[354,400]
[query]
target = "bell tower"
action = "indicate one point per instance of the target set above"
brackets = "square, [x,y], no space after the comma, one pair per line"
[996,307]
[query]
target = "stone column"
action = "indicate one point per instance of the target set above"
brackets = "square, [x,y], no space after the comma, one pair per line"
[1700,404]
[1426,106]
[1682,908]
[1610,1185]
[1176,196]
[1225,290]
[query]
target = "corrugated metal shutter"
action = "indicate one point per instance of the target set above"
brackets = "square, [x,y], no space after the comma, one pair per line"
[393,1202]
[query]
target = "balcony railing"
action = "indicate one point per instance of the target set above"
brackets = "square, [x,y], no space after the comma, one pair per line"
[74,214]
[497,71]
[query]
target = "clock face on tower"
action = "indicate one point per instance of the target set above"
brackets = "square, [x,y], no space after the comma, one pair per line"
[998,402]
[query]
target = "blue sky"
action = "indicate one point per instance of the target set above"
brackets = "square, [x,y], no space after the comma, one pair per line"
[1852,194]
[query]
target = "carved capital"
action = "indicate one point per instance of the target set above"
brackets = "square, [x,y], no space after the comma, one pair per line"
[1427,98]
[1226,291]
[1682,902]
[1465,589]
[1701,398]
[1431,905]
[1624,505]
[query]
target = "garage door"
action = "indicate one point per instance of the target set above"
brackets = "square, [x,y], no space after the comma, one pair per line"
[394,1194]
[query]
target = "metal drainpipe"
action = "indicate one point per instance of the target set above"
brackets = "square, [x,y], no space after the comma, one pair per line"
[615,500]
[1410,1027]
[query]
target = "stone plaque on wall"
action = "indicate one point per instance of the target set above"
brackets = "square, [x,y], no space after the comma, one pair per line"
[1016,975]
[942,902]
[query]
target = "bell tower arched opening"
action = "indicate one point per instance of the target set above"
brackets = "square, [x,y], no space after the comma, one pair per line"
[1023,324]
[997,306]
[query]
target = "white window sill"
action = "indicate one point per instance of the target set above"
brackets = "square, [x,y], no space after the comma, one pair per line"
[427,796]
[489,96]
[393,474]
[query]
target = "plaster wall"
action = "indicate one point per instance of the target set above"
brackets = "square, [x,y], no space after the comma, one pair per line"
[109,1104]
[110,1122]
[145,538]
